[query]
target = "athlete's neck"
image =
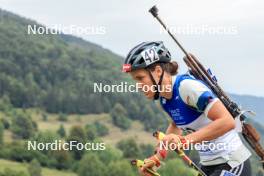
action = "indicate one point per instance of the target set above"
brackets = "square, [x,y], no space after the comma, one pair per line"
[166,83]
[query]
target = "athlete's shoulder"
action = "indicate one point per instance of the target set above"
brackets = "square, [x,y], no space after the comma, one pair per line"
[195,93]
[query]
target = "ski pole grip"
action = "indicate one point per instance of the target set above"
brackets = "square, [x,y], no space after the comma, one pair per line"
[140,163]
[159,135]
[154,11]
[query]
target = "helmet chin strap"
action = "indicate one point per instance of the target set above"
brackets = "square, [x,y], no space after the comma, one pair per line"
[157,92]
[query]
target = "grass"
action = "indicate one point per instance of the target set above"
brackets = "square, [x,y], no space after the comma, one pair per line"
[115,134]
[52,124]
[136,131]
[23,167]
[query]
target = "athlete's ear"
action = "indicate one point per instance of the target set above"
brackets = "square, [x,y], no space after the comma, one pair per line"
[158,71]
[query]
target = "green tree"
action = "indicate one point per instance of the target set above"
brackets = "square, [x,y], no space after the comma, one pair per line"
[62,117]
[77,132]
[61,131]
[32,90]
[153,120]
[176,166]
[46,136]
[146,150]
[120,117]
[101,129]
[63,159]
[134,110]
[120,168]
[129,147]
[77,135]
[1,133]
[22,126]
[91,131]
[5,104]
[110,154]
[6,123]
[90,165]
[45,117]
[34,168]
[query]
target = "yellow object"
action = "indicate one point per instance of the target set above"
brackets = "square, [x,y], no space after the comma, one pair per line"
[140,163]
[160,135]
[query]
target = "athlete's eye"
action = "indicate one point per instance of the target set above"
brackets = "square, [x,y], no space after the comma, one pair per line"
[139,78]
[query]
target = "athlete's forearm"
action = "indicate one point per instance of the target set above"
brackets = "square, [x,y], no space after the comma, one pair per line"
[214,130]
[222,122]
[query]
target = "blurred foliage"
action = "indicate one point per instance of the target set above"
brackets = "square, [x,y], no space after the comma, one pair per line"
[101,129]
[22,126]
[34,168]
[10,172]
[91,165]
[61,131]
[176,166]
[119,117]
[2,128]
[130,148]
[91,131]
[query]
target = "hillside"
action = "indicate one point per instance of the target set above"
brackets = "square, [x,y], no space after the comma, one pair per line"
[253,103]
[45,69]
[57,73]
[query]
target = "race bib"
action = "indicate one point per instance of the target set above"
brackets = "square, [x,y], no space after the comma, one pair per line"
[150,55]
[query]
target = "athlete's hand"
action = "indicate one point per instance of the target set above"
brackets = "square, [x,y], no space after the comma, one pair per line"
[178,140]
[148,164]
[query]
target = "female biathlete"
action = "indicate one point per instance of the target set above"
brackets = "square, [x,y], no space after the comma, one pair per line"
[191,106]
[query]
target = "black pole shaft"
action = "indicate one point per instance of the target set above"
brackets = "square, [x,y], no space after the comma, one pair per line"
[173,37]
[154,12]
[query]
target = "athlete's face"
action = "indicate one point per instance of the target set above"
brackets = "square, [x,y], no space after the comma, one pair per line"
[142,77]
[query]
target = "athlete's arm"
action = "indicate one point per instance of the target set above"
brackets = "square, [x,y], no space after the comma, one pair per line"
[222,122]
[172,128]
[194,93]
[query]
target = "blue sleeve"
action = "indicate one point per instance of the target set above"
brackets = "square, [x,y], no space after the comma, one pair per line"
[196,94]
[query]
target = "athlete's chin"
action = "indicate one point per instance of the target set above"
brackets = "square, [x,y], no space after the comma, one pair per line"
[149,96]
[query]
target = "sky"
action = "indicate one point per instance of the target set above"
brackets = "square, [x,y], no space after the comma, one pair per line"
[225,35]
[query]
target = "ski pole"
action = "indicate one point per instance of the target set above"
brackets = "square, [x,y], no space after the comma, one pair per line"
[159,135]
[140,163]
[154,12]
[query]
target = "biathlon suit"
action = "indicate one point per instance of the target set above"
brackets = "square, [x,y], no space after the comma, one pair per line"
[188,108]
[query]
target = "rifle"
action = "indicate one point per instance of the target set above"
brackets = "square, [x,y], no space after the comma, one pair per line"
[196,69]
[159,135]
